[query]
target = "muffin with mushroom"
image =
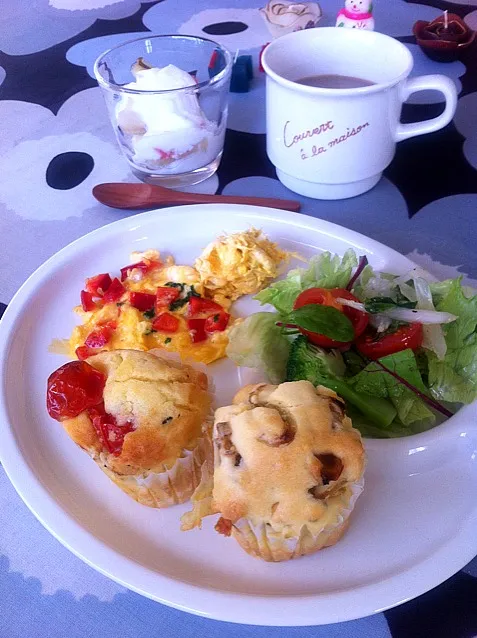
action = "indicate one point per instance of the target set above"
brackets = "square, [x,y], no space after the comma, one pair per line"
[288,470]
[142,418]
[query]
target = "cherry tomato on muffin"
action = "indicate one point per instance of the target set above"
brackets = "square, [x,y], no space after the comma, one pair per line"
[73,388]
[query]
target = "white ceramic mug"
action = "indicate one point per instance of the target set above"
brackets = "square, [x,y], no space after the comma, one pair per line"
[335,143]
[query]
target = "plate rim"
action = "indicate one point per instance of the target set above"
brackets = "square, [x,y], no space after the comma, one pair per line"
[271,610]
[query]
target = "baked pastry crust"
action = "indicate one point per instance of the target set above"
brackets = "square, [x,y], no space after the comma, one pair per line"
[288,469]
[169,406]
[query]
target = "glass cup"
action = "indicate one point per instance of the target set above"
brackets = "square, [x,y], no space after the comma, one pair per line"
[171,137]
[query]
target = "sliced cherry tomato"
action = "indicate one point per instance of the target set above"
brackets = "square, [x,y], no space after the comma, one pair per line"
[165,323]
[375,347]
[199,306]
[142,300]
[87,301]
[358,319]
[143,266]
[165,295]
[115,291]
[328,297]
[197,330]
[101,335]
[73,388]
[98,284]
[109,432]
[217,322]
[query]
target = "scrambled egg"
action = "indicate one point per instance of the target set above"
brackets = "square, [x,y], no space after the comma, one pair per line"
[232,266]
[239,264]
[133,328]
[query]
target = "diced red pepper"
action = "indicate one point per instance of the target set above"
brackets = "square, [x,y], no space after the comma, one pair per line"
[143,266]
[197,330]
[115,291]
[87,301]
[100,336]
[165,323]
[142,300]
[217,322]
[199,306]
[83,352]
[98,284]
[165,295]
[109,432]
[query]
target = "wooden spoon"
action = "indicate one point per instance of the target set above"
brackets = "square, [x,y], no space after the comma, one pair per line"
[133,196]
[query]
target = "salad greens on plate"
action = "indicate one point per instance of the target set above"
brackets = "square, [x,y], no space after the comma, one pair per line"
[399,350]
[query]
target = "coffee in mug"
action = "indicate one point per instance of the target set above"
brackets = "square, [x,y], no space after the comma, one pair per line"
[333,105]
[334,81]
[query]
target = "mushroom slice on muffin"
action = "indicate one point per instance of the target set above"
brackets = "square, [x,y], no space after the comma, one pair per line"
[288,470]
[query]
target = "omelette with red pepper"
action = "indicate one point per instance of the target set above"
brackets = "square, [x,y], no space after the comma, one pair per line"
[151,303]
[154,303]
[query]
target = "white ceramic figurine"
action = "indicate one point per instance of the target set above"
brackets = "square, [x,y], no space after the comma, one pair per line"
[357,14]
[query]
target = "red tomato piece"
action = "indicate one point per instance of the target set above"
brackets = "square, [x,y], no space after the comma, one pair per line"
[165,323]
[142,300]
[375,347]
[165,295]
[197,330]
[100,336]
[115,291]
[199,306]
[143,266]
[83,352]
[87,302]
[98,284]
[328,297]
[217,322]
[358,318]
[73,388]
[109,432]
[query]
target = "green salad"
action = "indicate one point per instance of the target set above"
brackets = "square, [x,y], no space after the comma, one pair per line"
[400,350]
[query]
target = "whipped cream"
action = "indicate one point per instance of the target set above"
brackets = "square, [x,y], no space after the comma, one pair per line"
[167,130]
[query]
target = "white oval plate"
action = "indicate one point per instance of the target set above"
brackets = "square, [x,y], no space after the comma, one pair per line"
[413,527]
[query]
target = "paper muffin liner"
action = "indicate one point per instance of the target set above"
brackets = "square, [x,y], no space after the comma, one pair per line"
[263,542]
[170,487]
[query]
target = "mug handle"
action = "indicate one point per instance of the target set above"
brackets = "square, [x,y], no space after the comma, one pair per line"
[439,83]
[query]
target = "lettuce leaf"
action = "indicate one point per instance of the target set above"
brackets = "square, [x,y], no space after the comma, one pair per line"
[257,342]
[393,431]
[374,381]
[324,271]
[454,379]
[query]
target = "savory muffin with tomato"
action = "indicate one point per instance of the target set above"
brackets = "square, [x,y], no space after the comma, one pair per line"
[154,303]
[288,470]
[142,418]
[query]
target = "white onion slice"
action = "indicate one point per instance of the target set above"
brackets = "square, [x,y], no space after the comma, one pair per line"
[433,336]
[357,305]
[411,275]
[378,286]
[405,314]
[421,316]
[408,291]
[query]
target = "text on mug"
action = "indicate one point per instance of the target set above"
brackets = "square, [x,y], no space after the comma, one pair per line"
[289,141]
